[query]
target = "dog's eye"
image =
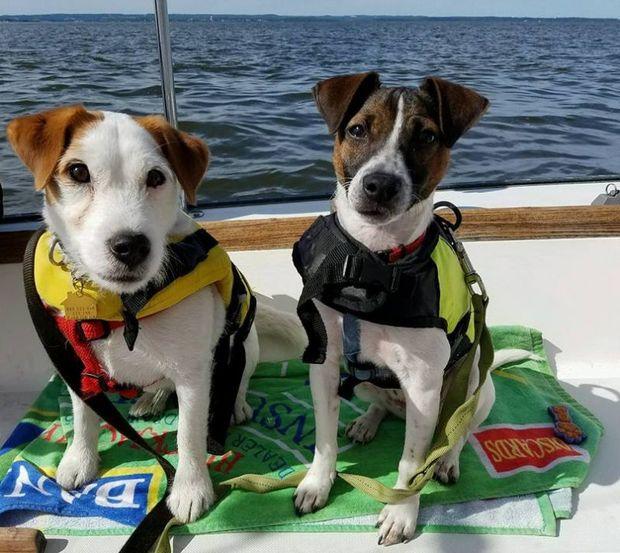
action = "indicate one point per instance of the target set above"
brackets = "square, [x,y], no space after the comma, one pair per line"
[155,178]
[427,136]
[357,131]
[79,172]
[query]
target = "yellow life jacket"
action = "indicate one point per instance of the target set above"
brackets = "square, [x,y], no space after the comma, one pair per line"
[82,312]
[55,284]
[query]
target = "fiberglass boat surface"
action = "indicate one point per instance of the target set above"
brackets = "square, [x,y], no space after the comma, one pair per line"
[567,288]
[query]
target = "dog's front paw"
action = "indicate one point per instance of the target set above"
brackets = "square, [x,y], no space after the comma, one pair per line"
[397,522]
[77,467]
[191,495]
[243,412]
[150,404]
[313,492]
[363,429]
[447,469]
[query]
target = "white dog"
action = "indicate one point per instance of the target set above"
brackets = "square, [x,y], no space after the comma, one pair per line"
[111,186]
[392,147]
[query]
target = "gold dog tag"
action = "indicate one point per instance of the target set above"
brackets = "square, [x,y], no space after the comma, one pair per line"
[79,306]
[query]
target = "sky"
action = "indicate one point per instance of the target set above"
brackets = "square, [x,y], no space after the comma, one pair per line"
[511,8]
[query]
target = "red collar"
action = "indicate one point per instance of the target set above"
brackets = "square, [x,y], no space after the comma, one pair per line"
[397,253]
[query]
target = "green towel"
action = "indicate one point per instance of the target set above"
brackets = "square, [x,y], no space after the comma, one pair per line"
[514,453]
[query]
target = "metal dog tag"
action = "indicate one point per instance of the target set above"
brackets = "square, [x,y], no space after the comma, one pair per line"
[79,306]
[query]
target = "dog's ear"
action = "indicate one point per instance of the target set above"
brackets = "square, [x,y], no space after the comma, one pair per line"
[187,154]
[41,139]
[340,98]
[458,108]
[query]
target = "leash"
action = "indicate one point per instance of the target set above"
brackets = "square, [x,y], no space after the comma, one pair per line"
[454,420]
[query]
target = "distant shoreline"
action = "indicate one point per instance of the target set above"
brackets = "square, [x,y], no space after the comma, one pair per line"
[187,17]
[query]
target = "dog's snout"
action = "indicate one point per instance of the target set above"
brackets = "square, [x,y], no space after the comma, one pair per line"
[380,187]
[130,248]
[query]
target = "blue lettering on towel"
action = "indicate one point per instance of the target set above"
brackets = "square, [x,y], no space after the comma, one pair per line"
[119,498]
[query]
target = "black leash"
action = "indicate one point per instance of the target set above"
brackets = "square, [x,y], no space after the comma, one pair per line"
[228,366]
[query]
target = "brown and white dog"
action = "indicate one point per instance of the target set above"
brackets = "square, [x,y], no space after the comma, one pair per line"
[111,184]
[392,148]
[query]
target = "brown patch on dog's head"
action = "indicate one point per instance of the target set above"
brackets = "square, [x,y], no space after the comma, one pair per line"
[376,118]
[361,114]
[41,139]
[453,109]
[187,154]
[457,108]
[339,98]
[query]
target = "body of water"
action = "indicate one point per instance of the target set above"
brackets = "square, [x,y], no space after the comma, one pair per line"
[243,84]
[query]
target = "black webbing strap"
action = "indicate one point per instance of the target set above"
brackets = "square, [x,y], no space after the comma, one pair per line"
[181,259]
[229,364]
[328,274]
[69,366]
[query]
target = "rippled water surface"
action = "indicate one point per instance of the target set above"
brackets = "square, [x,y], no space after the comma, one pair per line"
[244,86]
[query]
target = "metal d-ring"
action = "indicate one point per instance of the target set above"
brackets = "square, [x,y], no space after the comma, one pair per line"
[55,242]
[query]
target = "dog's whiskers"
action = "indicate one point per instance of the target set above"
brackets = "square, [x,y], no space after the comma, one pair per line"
[415,198]
[344,183]
[166,267]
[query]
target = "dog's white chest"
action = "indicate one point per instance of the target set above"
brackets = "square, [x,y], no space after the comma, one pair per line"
[400,348]
[175,341]
[403,350]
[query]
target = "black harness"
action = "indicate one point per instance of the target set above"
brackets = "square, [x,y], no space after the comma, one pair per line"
[345,275]
[228,366]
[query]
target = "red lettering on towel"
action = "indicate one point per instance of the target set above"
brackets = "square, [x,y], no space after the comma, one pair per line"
[228,461]
[507,449]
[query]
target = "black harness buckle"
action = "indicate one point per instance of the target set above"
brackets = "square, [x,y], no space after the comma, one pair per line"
[360,372]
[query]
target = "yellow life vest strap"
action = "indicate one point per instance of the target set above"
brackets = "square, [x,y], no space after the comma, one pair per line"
[193,262]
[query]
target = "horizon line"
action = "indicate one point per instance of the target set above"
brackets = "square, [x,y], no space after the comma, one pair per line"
[143,14]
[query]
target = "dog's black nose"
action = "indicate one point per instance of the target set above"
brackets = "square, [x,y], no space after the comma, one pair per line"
[130,248]
[380,187]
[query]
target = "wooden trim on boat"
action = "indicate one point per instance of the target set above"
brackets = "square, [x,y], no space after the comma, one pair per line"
[21,540]
[518,223]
